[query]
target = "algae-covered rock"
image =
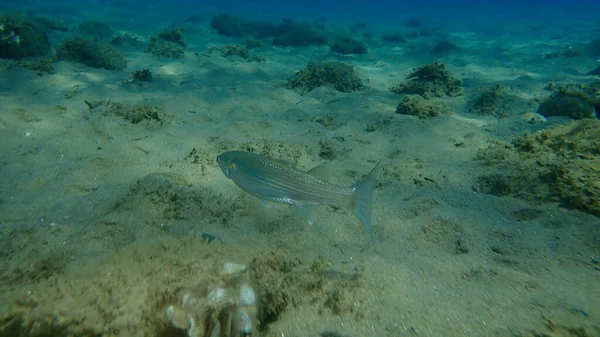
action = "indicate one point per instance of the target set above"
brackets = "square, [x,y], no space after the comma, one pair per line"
[143,112]
[294,34]
[133,113]
[127,40]
[91,52]
[170,43]
[238,50]
[173,35]
[235,26]
[162,48]
[576,101]
[234,50]
[415,105]
[21,38]
[491,101]
[287,33]
[347,45]
[393,38]
[444,47]
[430,80]
[561,164]
[230,25]
[142,75]
[291,281]
[341,76]
[139,76]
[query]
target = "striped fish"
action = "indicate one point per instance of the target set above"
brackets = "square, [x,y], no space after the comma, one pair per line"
[274,180]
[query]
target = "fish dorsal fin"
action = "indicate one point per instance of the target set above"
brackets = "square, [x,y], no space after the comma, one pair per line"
[321,172]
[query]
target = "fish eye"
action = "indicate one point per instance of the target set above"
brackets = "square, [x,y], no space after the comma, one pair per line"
[218,159]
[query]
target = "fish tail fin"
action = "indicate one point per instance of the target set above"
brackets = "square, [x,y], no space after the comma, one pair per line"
[363,198]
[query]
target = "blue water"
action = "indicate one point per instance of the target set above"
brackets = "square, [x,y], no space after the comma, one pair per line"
[377,9]
[443,12]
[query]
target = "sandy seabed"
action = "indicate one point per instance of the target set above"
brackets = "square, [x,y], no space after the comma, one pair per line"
[105,222]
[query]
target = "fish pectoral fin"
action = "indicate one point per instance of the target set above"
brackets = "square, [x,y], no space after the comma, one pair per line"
[307,212]
[322,172]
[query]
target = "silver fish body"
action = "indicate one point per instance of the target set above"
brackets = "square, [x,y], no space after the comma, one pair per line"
[274,180]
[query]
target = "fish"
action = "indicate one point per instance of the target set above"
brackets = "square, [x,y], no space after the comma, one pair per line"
[278,181]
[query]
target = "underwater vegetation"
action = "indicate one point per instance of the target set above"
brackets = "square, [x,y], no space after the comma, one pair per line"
[127,40]
[347,45]
[240,50]
[294,34]
[577,101]
[203,298]
[430,80]
[393,38]
[21,38]
[168,43]
[444,47]
[491,101]
[416,105]
[288,33]
[341,76]
[142,75]
[91,52]
[236,26]
[150,114]
[559,164]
